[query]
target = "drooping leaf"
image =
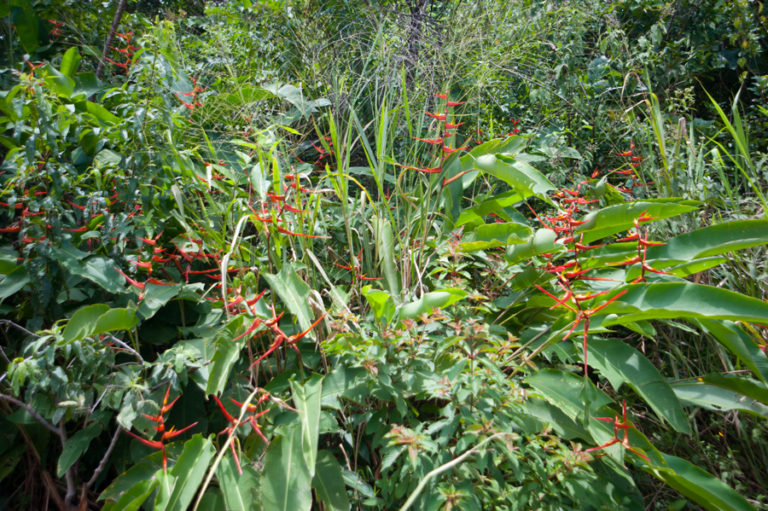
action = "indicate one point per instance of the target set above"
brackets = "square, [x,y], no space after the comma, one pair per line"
[518,174]
[660,300]
[622,364]
[698,485]
[718,398]
[614,219]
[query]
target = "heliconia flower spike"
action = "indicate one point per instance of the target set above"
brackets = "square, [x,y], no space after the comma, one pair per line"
[439,117]
[450,125]
[435,141]
[455,103]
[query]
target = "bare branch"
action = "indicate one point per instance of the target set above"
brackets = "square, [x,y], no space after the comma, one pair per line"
[104,459]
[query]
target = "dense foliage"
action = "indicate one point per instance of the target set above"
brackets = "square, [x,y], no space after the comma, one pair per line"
[389,254]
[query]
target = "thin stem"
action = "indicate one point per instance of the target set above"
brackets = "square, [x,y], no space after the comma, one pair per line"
[103,462]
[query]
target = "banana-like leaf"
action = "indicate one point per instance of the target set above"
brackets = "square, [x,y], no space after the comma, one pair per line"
[663,300]
[705,394]
[733,337]
[713,240]
[518,174]
[621,364]
[329,483]
[307,400]
[620,217]
[698,485]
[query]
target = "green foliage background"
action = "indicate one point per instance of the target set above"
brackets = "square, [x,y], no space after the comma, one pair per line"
[386,254]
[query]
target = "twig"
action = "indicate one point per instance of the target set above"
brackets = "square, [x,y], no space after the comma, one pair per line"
[126,347]
[39,418]
[104,459]
[447,466]
[17,326]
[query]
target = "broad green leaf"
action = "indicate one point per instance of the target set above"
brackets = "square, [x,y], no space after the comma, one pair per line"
[27,26]
[189,471]
[307,398]
[661,300]
[60,83]
[432,300]
[143,470]
[381,303]
[614,219]
[115,319]
[733,337]
[70,61]
[75,446]
[294,293]
[103,115]
[237,489]
[155,297]
[714,397]
[82,322]
[495,235]
[98,269]
[713,240]
[227,353]
[518,174]
[698,485]
[13,282]
[135,496]
[329,483]
[542,242]
[621,364]
[285,481]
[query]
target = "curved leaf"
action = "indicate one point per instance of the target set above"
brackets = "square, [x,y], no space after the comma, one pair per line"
[621,364]
[614,219]
[698,485]
[432,300]
[285,482]
[660,300]
[713,240]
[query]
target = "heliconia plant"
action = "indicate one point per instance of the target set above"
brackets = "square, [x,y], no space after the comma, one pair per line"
[351,313]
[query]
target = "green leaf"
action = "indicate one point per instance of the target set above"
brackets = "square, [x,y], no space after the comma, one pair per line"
[733,337]
[542,242]
[432,300]
[698,485]
[189,471]
[81,323]
[381,303]
[518,174]
[155,297]
[660,300]
[713,240]
[385,247]
[13,282]
[98,269]
[495,235]
[285,481]
[75,446]
[719,398]
[329,483]
[294,293]
[227,353]
[135,496]
[101,114]
[307,400]
[621,364]
[27,26]
[237,489]
[614,219]
[115,319]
